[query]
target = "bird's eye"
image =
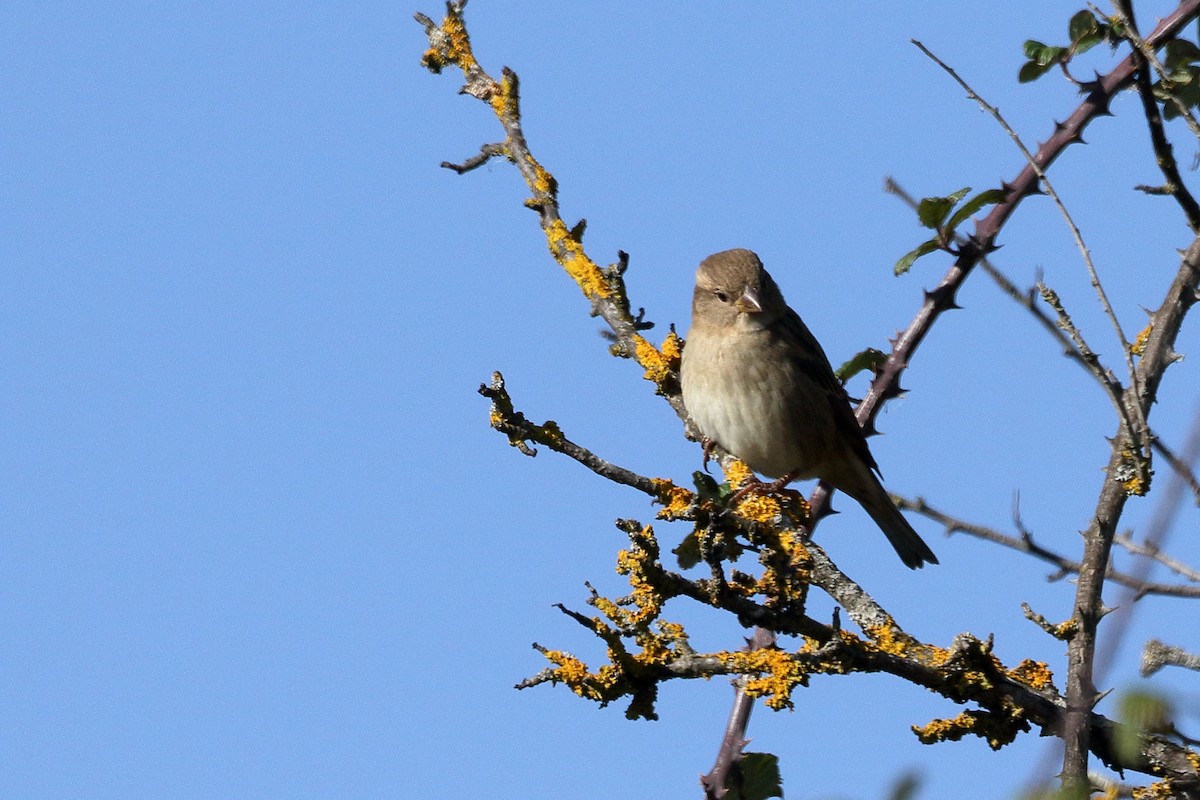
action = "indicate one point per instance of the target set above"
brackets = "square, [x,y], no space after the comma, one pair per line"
[724,298]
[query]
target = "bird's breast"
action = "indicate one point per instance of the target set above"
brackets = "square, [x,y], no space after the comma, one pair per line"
[750,399]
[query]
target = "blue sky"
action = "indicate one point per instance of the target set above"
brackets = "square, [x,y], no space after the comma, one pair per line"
[258,539]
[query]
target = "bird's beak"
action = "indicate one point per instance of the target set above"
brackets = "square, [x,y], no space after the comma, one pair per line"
[749,303]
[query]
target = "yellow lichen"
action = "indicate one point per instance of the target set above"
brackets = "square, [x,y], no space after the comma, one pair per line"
[459,43]
[1139,344]
[889,638]
[433,60]
[1034,674]
[1160,790]
[758,507]
[738,474]
[569,253]
[543,183]
[652,359]
[780,673]
[503,96]
[996,728]
[1133,473]
[672,347]
[675,499]
[940,730]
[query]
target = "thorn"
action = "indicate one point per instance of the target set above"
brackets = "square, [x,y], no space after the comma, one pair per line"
[942,298]
[1097,97]
[578,230]
[622,262]
[829,511]
[985,245]
[1059,127]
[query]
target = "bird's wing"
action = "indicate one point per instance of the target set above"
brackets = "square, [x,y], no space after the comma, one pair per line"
[810,360]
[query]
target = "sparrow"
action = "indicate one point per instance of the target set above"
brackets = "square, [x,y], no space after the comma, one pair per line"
[757,383]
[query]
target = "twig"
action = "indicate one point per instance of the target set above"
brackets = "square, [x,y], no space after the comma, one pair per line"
[486,153]
[1185,472]
[1087,356]
[1156,655]
[449,44]
[1122,480]
[1158,529]
[1163,151]
[520,430]
[1124,13]
[1025,543]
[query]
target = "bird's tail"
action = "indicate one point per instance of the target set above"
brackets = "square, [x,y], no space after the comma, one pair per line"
[908,544]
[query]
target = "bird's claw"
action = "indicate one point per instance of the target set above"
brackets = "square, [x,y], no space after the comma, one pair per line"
[756,486]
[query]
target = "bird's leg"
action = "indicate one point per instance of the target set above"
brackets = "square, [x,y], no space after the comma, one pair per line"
[706,447]
[756,486]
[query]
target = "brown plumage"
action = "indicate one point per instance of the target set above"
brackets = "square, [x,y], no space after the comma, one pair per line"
[757,383]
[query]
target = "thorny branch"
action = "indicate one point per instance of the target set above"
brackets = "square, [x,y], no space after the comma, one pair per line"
[1088,361]
[605,290]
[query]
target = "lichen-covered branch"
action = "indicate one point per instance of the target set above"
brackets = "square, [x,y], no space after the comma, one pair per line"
[520,431]
[646,649]
[604,287]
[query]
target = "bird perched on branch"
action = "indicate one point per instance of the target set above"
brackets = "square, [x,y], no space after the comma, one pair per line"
[758,384]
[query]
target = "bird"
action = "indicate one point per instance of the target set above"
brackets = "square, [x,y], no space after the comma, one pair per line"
[756,382]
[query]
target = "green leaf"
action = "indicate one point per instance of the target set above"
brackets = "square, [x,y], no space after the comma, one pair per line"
[1043,54]
[1140,712]
[1081,25]
[706,486]
[1181,52]
[968,209]
[932,211]
[1088,41]
[906,262]
[868,359]
[1031,71]
[759,778]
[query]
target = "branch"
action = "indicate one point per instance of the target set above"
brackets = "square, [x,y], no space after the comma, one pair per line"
[604,288]
[730,752]
[1157,655]
[1024,543]
[1124,13]
[519,430]
[1140,433]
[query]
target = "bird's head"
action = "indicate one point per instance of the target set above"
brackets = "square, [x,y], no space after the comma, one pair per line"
[733,289]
